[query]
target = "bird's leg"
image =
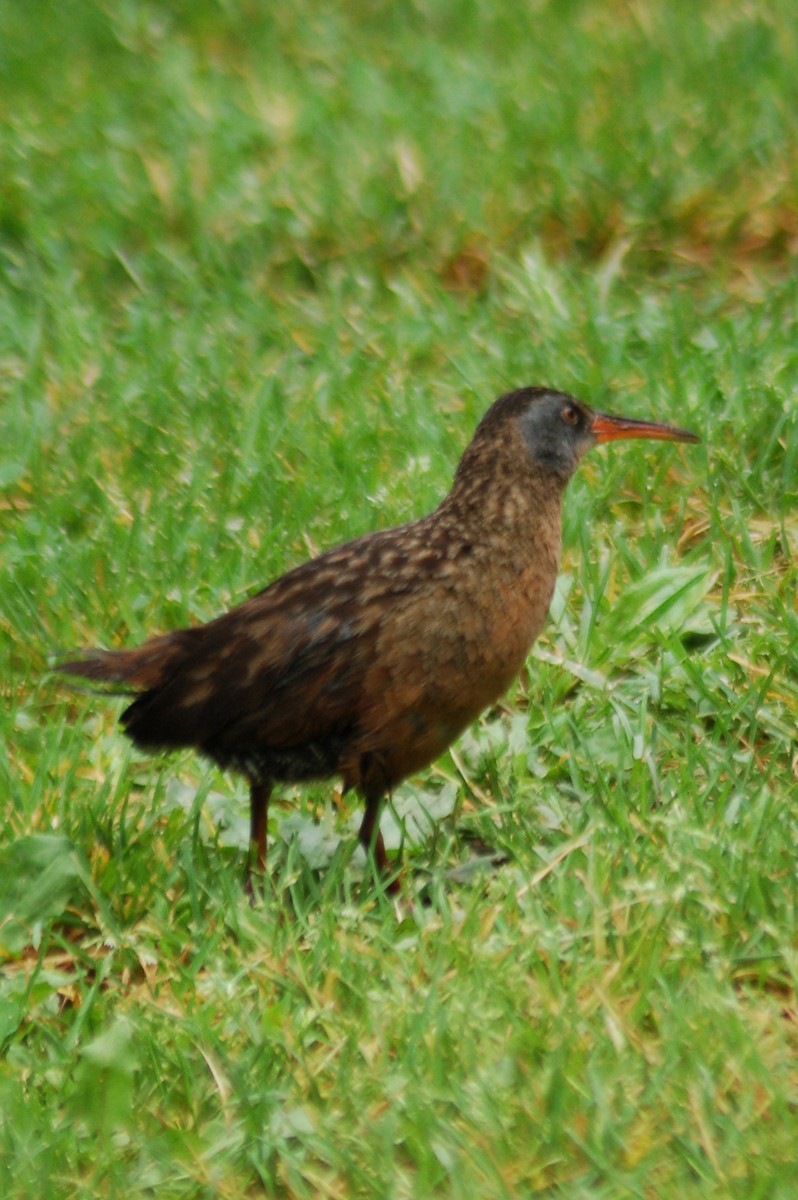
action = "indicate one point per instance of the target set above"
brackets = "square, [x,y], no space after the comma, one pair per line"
[374,788]
[259,794]
[370,835]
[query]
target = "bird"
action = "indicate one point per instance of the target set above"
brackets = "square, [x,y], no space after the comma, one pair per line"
[366,662]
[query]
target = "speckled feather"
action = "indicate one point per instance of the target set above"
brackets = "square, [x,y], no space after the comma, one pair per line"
[365,649]
[368,661]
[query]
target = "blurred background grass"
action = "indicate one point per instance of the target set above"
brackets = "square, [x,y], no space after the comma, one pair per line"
[263,267]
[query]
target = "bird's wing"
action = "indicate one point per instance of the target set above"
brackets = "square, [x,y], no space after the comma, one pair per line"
[284,668]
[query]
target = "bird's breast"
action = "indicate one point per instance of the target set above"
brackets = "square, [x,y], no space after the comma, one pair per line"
[447,652]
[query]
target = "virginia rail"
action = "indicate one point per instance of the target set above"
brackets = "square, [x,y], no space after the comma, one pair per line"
[368,661]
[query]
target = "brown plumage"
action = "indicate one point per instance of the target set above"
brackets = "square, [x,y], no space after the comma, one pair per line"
[368,661]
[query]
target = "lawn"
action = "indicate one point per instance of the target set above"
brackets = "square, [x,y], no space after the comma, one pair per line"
[262,269]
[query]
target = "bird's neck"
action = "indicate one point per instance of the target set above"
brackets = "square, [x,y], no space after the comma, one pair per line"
[514,512]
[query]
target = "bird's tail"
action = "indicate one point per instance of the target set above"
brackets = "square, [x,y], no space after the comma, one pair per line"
[138,670]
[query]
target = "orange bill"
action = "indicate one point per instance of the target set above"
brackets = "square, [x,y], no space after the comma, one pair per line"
[607,428]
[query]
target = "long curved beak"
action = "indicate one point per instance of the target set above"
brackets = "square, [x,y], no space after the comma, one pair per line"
[607,428]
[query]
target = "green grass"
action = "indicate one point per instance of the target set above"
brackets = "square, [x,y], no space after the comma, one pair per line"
[263,267]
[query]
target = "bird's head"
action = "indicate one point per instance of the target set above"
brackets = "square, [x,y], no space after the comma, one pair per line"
[558,430]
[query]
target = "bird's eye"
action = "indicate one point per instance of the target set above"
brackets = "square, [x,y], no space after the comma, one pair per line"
[570,415]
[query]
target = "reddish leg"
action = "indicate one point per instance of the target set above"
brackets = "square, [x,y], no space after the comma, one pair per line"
[371,840]
[259,794]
